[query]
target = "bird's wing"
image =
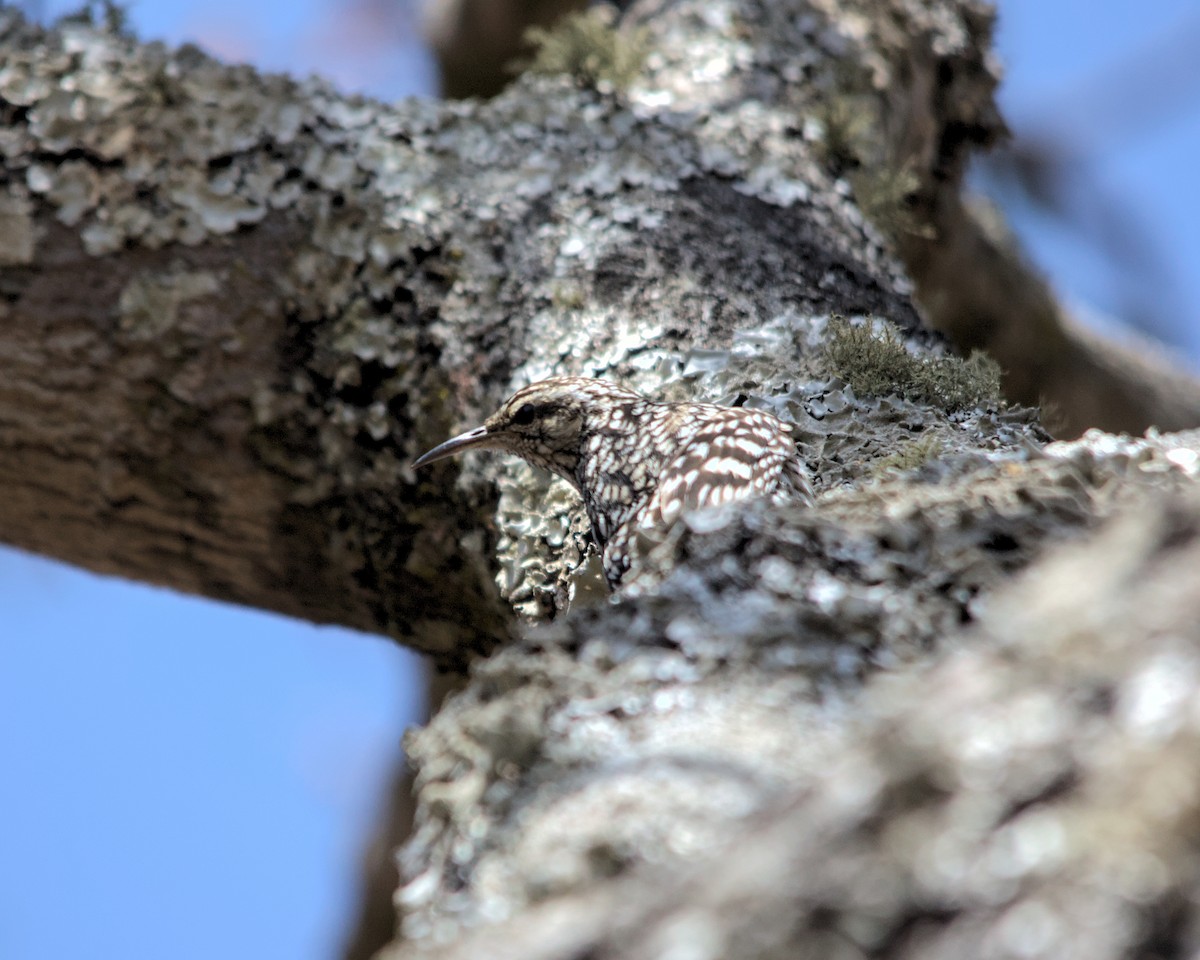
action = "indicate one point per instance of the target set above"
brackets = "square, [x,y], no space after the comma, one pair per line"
[737,454]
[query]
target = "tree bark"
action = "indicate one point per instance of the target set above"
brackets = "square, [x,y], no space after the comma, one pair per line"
[844,732]
[236,307]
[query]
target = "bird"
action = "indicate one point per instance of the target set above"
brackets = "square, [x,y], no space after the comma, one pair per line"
[639,464]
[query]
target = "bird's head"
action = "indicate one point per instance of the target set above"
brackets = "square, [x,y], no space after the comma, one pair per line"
[544,423]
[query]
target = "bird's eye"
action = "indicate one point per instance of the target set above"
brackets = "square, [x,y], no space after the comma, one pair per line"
[525,414]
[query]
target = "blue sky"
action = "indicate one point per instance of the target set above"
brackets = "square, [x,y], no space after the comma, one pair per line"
[1068,63]
[176,768]
[185,776]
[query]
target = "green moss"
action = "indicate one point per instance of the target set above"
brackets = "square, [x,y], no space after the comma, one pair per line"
[910,456]
[568,295]
[853,145]
[589,47]
[884,195]
[876,364]
[847,121]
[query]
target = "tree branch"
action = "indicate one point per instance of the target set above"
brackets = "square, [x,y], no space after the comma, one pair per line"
[266,298]
[238,305]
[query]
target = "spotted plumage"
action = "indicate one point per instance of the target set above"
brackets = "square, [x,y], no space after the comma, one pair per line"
[637,463]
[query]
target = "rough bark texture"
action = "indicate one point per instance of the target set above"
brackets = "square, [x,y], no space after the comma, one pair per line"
[236,306]
[1029,793]
[793,746]
[972,280]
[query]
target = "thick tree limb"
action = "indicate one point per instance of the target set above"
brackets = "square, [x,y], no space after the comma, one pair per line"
[650,732]
[973,282]
[266,299]
[237,305]
[1029,792]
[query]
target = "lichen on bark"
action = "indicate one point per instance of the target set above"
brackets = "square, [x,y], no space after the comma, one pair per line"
[237,305]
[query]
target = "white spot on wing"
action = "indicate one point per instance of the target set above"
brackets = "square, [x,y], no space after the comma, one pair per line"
[734,455]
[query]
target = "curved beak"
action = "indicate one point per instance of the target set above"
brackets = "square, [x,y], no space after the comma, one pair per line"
[470,440]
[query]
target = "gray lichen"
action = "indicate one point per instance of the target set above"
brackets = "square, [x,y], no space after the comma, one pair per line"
[899,391]
[722,685]
[688,239]
[423,252]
